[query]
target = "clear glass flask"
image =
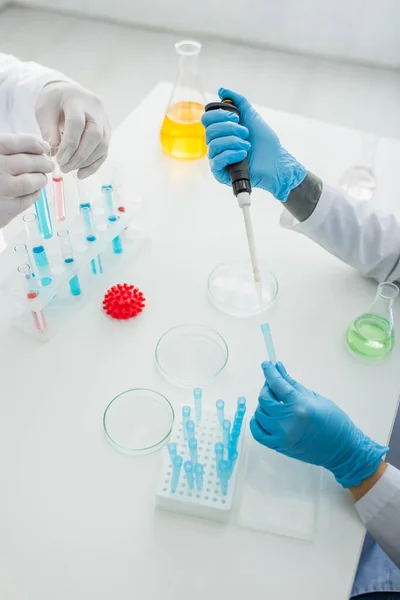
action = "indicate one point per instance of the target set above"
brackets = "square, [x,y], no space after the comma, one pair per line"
[182,133]
[372,333]
[359,181]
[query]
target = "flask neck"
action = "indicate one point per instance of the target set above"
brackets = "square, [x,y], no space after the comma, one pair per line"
[383,302]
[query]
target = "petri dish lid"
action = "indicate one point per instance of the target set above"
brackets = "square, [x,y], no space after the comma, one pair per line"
[138,421]
[231,289]
[191,355]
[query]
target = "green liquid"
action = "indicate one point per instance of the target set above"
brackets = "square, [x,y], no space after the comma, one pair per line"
[370,335]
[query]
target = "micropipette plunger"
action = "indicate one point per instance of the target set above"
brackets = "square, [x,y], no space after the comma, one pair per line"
[240,178]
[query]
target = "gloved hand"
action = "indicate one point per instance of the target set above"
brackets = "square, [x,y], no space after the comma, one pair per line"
[272,168]
[22,173]
[80,114]
[302,424]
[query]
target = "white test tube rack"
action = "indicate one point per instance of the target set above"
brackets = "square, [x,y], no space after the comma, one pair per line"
[55,299]
[209,503]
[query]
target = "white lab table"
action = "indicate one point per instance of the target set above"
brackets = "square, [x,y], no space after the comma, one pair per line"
[77,517]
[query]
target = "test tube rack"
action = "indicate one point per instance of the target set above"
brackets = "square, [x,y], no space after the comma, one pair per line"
[209,503]
[55,299]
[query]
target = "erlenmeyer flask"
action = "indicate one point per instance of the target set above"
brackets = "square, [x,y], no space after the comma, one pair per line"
[182,134]
[372,333]
[359,181]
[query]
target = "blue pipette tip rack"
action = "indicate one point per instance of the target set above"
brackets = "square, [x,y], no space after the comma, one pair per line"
[209,502]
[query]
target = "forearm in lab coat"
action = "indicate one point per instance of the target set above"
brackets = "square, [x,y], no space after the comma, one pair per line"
[355,231]
[379,510]
[20,84]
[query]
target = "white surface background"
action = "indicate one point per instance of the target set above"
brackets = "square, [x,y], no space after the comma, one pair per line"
[77,517]
[346,29]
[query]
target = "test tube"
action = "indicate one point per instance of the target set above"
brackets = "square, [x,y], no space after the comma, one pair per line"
[43,216]
[31,291]
[266,331]
[190,428]
[38,250]
[185,418]
[68,257]
[172,451]
[219,454]
[90,228]
[199,473]
[176,471]
[223,472]
[188,466]
[226,432]
[23,256]
[220,404]
[198,402]
[112,217]
[58,184]
[193,450]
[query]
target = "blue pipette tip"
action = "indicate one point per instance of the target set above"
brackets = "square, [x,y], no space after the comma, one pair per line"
[177,462]
[269,344]
[188,466]
[199,473]
[192,444]
[186,411]
[190,429]
[241,402]
[220,404]
[223,471]
[172,449]
[197,393]
[219,448]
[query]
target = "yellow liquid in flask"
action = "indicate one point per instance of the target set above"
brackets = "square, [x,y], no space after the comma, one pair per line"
[182,133]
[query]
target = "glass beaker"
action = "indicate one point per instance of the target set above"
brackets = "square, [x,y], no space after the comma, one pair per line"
[182,134]
[372,333]
[359,181]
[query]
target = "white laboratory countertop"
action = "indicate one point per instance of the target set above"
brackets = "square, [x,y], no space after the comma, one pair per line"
[77,517]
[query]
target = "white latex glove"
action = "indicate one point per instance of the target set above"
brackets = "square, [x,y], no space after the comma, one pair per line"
[22,173]
[80,116]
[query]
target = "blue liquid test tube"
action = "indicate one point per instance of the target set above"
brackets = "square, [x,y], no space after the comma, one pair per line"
[68,257]
[172,450]
[188,466]
[198,402]
[112,217]
[193,450]
[38,250]
[220,404]
[185,419]
[90,229]
[269,344]
[43,216]
[219,454]
[232,463]
[226,432]
[176,471]
[190,428]
[199,473]
[223,472]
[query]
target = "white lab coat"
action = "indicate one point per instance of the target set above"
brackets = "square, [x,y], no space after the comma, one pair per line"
[20,84]
[369,240]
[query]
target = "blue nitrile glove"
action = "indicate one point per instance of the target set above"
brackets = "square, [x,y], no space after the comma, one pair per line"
[272,168]
[302,424]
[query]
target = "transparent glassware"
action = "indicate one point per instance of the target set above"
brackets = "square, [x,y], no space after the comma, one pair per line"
[138,421]
[372,333]
[191,355]
[182,134]
[359,181]
[231,289]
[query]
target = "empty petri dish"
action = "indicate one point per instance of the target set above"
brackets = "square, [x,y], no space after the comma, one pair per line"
[138,421]
[231,289]
[191,355]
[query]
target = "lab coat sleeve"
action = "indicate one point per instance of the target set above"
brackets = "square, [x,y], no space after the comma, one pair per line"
[20,84]
[379,510]
[357,232]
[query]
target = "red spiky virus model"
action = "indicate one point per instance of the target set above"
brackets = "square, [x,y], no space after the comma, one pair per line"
[123,301]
